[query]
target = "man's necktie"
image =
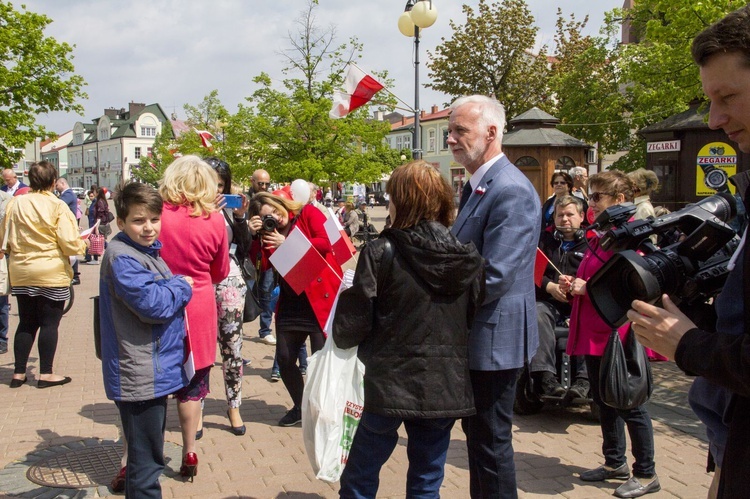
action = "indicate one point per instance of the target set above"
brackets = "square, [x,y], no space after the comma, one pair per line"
[465,194]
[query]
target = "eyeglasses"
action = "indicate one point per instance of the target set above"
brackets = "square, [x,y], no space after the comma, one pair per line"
[560,183]
[597,196]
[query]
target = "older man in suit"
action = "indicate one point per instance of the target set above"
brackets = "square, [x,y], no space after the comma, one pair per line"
[500,213]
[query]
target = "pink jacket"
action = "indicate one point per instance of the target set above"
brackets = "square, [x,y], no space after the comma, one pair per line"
[197,247]
[588,332]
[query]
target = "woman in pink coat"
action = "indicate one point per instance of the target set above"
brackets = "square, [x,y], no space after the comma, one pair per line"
[195,245]
[588,336]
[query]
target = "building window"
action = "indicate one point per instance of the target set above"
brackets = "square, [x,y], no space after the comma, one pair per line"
[407,141]
[564,163]
[400,142]
[526,161]
[431,141]
[148,131]
[591,156]
[444,144]
[137,153]
[150,151]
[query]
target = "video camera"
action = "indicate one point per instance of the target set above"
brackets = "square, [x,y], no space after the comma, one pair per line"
[691,265]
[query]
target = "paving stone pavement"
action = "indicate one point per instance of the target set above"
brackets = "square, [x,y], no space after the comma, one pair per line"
[270,462]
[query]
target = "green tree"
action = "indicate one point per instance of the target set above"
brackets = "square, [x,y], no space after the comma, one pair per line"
[288,131]
[492,54]
[151,168]
[36,77]
[655,77]
[586,84]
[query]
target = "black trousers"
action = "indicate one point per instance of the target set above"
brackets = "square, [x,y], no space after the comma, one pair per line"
[36,314]
[489,436]
[288,344]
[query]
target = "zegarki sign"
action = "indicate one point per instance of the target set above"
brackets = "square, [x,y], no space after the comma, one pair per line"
[663,146]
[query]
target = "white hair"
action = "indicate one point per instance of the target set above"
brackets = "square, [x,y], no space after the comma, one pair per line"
[577,170]
[492,111]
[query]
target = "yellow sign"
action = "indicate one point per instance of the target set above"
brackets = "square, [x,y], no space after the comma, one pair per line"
[716,162]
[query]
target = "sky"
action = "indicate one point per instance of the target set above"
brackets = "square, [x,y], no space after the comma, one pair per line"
[174,52]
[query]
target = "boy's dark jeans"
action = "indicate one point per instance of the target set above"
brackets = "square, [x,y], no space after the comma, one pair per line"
[143,424]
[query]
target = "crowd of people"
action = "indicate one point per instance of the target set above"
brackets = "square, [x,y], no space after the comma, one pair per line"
[444,307]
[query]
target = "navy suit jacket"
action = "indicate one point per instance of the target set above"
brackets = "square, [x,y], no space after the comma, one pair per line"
[503,223]
[70,198]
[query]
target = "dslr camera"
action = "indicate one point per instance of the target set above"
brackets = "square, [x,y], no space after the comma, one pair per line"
[691,265]
[268,223]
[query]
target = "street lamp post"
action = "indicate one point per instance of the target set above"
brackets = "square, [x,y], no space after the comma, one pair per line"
[417,14]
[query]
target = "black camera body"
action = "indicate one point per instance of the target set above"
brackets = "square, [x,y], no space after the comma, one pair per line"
[691,266]
[268,223]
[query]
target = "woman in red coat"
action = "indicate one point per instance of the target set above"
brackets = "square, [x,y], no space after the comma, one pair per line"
[297,316]
[194,244]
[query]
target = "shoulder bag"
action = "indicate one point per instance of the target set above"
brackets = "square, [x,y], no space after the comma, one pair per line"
[625,380]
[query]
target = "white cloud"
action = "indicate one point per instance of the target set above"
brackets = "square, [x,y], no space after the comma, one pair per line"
[176,51]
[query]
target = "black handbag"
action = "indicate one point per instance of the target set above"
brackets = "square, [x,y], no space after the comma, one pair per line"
[625,380]
[252,301]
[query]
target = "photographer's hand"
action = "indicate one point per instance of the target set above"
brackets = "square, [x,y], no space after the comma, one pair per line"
[255,224]
[273,239]
[659,329]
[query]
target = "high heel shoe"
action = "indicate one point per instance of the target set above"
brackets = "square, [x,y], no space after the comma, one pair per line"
[237,430]
[189,466]
[118,482]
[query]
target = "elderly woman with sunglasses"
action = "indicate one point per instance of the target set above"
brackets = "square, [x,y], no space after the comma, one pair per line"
[588,336]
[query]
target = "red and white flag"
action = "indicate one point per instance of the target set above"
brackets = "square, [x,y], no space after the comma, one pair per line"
[359,87]
[540,266]
[297,261]
[343,249]
[206,137]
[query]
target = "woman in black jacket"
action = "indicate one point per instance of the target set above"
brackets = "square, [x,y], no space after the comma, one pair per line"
[410,313]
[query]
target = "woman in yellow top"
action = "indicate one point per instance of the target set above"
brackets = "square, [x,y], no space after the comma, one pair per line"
[41,235]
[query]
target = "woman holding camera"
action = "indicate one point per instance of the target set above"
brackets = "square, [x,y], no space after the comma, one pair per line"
[297,316]
[588,336]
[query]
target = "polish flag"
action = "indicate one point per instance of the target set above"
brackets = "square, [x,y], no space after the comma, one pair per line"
[297,261]
[359,87]
[343,249]
[540,265]
[206,137]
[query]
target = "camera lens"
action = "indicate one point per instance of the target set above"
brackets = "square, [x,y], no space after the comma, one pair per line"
[269,223]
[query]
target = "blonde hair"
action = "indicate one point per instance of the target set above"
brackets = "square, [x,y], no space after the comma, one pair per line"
[282,205]
[190,181]
[646,181]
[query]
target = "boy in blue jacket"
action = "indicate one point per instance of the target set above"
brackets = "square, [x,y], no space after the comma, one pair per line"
[141,307]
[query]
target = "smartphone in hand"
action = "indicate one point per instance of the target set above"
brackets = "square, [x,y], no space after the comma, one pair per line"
[234,201]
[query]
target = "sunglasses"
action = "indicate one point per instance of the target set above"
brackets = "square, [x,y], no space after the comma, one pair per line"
[597,196]
[560,183]
[263,184]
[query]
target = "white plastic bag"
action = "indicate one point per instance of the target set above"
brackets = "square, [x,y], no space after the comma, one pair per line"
[332,406]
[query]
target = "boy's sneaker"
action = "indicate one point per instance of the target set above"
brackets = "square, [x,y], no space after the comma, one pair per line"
[303,371]
[275,376]
[293,417]
[269,339]
[3,347]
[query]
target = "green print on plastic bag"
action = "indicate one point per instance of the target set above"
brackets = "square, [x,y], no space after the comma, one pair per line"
[352,415]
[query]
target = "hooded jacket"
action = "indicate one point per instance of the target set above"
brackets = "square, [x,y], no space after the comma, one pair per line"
[142,309]
[413,332]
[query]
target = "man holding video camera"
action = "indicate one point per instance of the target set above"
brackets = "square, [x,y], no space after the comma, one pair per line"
[723,358]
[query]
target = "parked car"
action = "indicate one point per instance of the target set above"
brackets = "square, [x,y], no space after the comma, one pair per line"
[80,192]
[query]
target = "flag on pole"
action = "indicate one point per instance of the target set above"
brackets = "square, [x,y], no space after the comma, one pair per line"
[206,137]
[359,88]
[343,249]
[540,265]
[297,261]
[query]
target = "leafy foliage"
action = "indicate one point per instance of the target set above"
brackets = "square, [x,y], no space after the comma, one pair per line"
[288,131]
[36,76]
[491,54]
[616,89]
